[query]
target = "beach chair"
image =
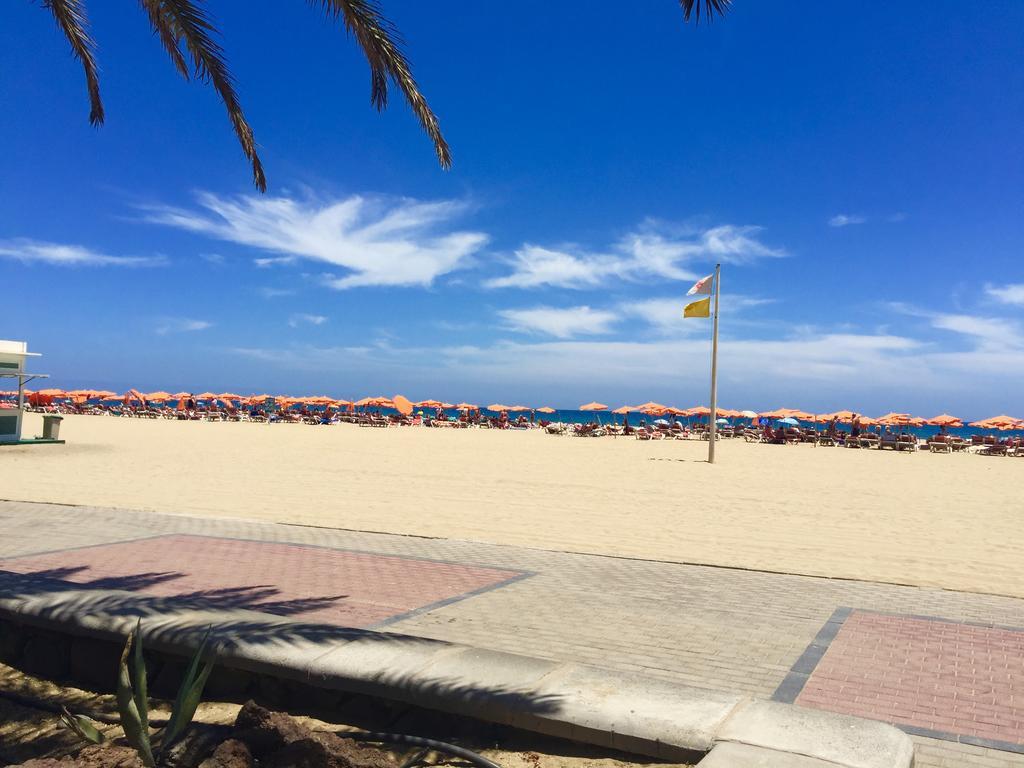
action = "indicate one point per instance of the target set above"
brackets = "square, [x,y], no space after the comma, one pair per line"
[939,444]
[906,443]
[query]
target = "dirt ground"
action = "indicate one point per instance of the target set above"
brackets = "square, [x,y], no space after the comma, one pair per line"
[26,733]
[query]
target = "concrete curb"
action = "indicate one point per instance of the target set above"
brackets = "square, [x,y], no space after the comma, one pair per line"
[574,701]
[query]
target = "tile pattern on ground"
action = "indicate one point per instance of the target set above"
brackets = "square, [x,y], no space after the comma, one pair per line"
[950,678]
[352,589]
[717,628]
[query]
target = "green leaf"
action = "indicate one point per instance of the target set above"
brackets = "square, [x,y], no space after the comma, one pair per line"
[82,727]
[131,720]
[189,694]
[140,694]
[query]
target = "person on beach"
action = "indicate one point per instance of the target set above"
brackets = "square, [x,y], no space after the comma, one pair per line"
[855,426]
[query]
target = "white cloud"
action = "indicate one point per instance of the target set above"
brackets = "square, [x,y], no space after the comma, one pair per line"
[212,258]
[302,318]
[1012,293]
[648,252]
[988,333]
[167,325]
[821,371]
[845,220]
[270,292]
[273,261]
[58,254]
[381,241]
[560,323]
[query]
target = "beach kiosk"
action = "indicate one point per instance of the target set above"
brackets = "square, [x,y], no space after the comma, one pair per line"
[13,355]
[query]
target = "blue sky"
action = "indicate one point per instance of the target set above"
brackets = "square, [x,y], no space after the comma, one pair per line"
[856,170]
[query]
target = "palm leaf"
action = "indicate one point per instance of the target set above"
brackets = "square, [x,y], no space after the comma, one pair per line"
[186,22]
[709,8]
[164,27]
[131,718]
[382,47]
[73,22]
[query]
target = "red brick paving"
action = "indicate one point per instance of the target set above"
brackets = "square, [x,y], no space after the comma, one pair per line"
[945,676]
[327,585]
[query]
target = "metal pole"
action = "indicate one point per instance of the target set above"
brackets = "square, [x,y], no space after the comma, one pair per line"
[714,371]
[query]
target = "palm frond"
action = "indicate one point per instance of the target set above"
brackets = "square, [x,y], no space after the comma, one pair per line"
[709,8]
[186,22]
[382,47]
[164,27]
[73,22]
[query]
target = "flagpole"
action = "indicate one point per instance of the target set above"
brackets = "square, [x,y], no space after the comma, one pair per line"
[714,372]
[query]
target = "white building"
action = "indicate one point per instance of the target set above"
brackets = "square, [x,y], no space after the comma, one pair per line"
[12,370]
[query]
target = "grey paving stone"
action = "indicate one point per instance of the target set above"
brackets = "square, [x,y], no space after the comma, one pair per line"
[846,741]
[745,756]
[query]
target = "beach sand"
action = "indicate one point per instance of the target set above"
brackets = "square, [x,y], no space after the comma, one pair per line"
[950,521]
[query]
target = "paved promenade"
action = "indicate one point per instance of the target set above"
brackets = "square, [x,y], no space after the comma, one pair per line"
[948,667]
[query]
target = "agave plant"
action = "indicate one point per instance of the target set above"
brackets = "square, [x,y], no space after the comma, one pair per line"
[133,702]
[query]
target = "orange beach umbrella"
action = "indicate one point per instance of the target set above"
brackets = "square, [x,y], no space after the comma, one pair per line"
[625,409]
[594,406]
[402,405]
[159,396]
[497,407]
[945,420]
[429,404]
[545,409]
[467,407]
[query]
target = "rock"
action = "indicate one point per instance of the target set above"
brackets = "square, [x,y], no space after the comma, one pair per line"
[100,756]
[279,741]
[355,754]
[264,731]
[325,750]
[230,754]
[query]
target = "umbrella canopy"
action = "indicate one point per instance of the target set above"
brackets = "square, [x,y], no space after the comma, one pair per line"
[595,406]
[379,402]
[180,395]
[729,413]
[1002,419]
[651,406]
[467,407]
[206,395]
[229,396]
[402,405]
[945,420]
[801,415]
[52,393]
[895,419]
[545,409]
[429,404]
[159,396]
[625,409]
[778,413]
[748,414]
[517,408]
[788,420]
[497,407]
